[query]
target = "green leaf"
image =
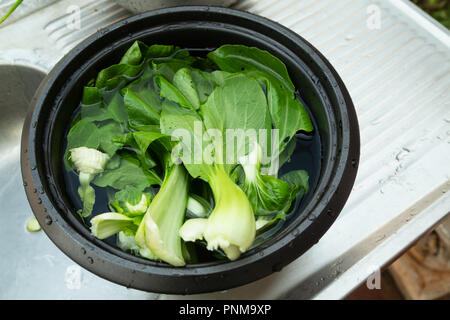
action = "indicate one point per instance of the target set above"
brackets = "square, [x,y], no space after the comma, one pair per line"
[144,139]
[144,157]
[167,67]
[157,51]
[129,173]
[239,104]
[113,163]
[116,109]
[139,112]
[116,76]
[237,58]
[108,134]
[130,194]
[286,155]
[91,95]
[206,82]
[83,134]
[144,89]
[95,112]
[288,115]
[11,10]
[87,196]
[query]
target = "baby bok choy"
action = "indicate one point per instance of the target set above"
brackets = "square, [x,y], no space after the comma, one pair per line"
[188,151]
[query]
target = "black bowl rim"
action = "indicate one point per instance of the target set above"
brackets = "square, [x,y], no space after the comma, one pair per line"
[85,251]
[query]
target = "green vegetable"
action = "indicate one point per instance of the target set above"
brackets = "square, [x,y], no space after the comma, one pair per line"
[198,130]
[33,225]
[132,201]
[288,115]
[164,218]
[239,104]
[438,9]
[197,207]
[129,173]
[89,163]
[127,243]
[231,225]
[267,194]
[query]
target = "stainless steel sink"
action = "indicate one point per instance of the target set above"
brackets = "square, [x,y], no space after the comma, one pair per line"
[399,79]
[17,86]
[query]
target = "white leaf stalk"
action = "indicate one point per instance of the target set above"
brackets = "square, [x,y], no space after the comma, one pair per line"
[158,233]
[139,208]
[88,162]
[231,225]
[107,224]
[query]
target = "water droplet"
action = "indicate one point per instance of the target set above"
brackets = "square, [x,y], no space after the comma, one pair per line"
[39,201]
[354,163]
[375,122]
[33,168]
[349,37]
[35,190]
[315,79]
[83,250]
[25,183]
[277,267]
[48,220]
[34,124]
[90,260]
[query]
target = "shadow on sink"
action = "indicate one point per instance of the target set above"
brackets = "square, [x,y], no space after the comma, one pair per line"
[17,87]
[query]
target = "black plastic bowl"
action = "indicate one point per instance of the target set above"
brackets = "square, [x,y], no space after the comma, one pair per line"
[189,27]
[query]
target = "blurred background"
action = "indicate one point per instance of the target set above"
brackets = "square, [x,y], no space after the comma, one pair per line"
[438,9]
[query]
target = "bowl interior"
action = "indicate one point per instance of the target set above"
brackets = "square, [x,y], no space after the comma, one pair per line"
[205,36]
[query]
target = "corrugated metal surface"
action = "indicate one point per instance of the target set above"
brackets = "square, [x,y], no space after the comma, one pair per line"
[65,32]
[395,62]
